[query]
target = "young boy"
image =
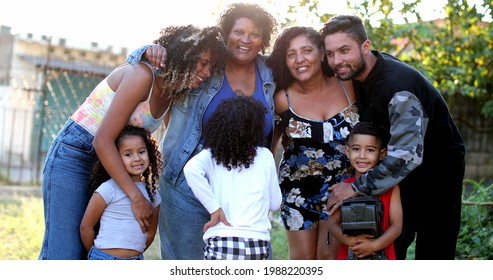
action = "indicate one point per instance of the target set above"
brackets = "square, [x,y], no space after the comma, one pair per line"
[365,150]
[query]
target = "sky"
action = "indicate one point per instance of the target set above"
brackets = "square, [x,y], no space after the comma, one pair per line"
[124,23]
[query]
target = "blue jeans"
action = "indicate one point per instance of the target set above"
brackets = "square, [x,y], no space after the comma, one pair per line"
[96,254]
[66,173]
[181,221]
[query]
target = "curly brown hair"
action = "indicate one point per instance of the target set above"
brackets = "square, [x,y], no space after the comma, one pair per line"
[184,46]
[150,175]
[262,19]
[235,130]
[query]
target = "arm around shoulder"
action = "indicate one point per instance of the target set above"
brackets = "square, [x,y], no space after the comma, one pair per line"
[405,148]
[154,53]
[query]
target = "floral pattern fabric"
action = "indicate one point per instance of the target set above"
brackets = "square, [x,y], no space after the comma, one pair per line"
[312,161]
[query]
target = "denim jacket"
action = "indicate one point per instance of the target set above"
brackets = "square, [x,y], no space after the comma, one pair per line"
[184,130]
[135,56]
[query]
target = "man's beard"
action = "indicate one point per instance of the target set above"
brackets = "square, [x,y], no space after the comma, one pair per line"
[360,68]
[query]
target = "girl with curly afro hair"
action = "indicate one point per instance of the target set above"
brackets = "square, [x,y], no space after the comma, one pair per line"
[119,235]
[235,179]
[186,45]
[233,132]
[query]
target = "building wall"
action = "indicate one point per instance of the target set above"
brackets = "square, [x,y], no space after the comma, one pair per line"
[6,43]
[477,132]
[27,86]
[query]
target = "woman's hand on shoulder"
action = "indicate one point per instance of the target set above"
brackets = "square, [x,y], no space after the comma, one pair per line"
[156,55]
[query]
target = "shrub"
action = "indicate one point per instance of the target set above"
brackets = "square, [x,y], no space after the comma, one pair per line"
[476,234]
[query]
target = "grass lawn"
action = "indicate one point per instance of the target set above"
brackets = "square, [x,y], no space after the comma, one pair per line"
[22,223]
[21,231]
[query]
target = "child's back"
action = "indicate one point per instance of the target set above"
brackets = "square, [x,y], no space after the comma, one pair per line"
[235,178]
[246,195]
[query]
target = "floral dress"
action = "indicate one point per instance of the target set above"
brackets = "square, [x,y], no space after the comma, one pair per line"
[312,161]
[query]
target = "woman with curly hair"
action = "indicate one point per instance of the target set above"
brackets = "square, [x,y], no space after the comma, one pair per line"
[247,30]
[315,112]
[235,178]
[119,236]
[130,95]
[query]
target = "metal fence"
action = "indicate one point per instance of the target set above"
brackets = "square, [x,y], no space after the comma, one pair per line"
[32,111]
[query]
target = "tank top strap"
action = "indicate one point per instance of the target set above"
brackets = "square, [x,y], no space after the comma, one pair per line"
[153,77]
[287,96]
[345,92]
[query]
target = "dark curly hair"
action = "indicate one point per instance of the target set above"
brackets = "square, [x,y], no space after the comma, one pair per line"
[150,175]
[262,19]
[184,46]
[277,60]
[235,130]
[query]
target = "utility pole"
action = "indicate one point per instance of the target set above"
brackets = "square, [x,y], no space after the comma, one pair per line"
[44,101]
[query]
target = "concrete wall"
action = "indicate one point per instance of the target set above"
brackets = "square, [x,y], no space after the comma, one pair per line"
[477,132]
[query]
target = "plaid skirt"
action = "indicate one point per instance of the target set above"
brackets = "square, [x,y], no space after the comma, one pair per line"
[236,248]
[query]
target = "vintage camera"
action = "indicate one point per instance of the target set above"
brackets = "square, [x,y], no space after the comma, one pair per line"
[360,215]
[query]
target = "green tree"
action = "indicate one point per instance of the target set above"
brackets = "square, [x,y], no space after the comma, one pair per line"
[455,52]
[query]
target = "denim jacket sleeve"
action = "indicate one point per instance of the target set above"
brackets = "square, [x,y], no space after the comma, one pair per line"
[135,56]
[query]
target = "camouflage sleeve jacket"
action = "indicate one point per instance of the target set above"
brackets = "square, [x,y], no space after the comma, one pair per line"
[408,123]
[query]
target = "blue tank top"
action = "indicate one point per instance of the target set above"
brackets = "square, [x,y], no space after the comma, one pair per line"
[226,92]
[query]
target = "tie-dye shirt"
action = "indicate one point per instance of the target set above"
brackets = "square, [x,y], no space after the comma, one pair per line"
[91,113]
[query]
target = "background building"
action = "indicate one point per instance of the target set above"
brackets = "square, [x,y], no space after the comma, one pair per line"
[42,82]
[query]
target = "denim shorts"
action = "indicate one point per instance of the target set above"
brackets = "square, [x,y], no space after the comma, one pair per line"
[96,254]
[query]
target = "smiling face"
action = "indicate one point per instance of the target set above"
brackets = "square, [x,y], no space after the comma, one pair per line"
[364,152]
[345,56]
[244,41]
[303,58]
[133,152]
[203,69]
